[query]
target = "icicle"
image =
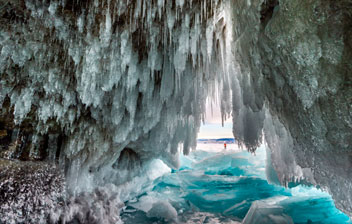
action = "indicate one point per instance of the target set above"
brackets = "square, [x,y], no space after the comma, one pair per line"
[136,78]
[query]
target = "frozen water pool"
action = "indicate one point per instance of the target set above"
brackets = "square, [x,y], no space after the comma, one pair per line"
[218,186]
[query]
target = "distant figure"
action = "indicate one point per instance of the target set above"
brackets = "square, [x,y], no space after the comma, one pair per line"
[224,145]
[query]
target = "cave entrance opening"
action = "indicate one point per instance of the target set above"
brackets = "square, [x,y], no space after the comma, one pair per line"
[215,134]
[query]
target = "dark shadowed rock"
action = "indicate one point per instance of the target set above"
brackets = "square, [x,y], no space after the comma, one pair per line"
[29,191]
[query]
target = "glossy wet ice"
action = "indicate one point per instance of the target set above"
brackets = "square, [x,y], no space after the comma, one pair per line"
[218,186]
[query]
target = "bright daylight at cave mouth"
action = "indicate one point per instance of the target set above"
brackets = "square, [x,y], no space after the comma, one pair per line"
[174,111]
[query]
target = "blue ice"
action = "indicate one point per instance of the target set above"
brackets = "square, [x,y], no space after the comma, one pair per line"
[221,186]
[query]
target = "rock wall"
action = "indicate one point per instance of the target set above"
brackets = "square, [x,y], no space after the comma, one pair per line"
[295,59]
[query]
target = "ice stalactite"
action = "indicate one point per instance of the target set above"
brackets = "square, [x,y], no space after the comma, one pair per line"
[109,81]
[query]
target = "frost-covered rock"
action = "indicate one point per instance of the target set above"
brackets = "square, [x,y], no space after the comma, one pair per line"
[295,84]
[30,191]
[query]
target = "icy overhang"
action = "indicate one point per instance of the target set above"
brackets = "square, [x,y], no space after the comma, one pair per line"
[95,78]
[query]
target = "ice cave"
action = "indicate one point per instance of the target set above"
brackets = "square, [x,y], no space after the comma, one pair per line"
[102,101]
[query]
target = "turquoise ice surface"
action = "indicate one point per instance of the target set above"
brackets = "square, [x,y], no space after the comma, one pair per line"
[221,186]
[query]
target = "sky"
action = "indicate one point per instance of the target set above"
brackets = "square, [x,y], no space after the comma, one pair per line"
[212,127]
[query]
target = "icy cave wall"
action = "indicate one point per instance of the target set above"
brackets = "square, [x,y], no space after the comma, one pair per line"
[103,86]
[295,83]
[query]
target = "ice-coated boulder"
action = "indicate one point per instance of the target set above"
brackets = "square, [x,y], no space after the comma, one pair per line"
[163,209]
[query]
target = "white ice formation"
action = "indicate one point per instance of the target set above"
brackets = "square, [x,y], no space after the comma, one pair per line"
[124,81]
[116,83]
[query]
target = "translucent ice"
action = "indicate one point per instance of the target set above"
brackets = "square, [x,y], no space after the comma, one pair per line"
[230,187]
[266,214]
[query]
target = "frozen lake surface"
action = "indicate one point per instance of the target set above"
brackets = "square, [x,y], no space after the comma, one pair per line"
[214,185]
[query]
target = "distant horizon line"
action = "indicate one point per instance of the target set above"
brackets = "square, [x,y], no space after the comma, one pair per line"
[215,138]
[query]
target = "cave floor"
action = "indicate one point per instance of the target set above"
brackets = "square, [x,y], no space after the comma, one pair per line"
[228,186]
